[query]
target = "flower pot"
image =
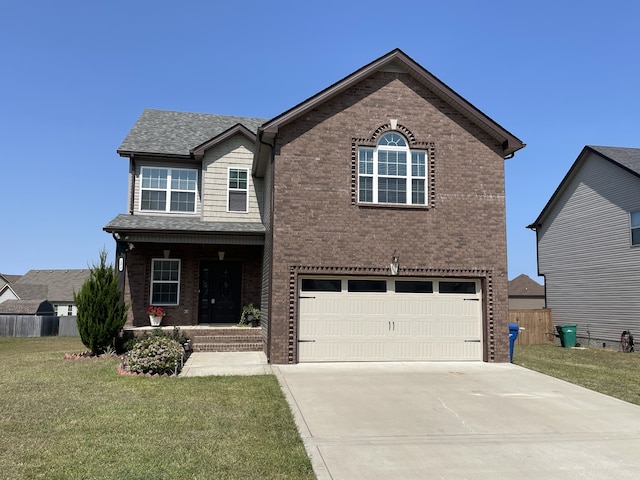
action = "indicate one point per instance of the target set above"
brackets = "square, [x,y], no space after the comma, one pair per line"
[155,321]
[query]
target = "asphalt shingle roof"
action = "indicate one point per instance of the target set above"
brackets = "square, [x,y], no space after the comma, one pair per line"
[176,133]
[54,285]
[25,307]
[525,286]
[145,223]
[627,157]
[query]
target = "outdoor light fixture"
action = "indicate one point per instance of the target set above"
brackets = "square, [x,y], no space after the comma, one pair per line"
[220,256]
[120,264]
[394,263]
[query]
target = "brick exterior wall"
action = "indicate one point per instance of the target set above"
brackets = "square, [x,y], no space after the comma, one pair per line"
[319,228]
[138,278]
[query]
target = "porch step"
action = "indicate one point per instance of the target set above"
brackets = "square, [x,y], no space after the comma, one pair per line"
[228,340]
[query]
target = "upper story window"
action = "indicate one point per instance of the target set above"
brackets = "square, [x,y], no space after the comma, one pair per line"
[238,190]
[168,189]
[392,173]
[635,227]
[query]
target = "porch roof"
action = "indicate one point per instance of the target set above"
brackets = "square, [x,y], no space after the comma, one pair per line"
[167,225]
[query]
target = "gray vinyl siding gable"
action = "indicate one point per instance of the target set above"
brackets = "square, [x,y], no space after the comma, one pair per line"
[236,152]
[585,253]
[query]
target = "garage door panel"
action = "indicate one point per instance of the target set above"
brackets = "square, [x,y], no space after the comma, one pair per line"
[351,329]
[379,326]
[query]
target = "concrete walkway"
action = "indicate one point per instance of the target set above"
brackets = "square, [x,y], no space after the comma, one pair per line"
[200,364]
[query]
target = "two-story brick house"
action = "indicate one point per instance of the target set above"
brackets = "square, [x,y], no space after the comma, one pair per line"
[368,222]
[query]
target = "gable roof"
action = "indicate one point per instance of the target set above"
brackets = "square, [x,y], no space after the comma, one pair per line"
[28,291]
[626,158]
[8,279]
[169,133]
[396,59]
[524,286]
[54,285]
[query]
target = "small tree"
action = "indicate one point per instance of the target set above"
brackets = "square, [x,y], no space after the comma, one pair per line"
[101,314]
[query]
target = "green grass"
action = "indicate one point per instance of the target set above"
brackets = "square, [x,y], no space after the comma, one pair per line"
[79,419]
[613,373]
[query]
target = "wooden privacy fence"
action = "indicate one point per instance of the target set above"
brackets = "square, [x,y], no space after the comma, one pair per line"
[28,325]
[536,323]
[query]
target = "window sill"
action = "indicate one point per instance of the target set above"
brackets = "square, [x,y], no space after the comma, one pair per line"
[393,206]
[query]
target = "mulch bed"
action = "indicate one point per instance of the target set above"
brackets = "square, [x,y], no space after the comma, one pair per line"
[122,369]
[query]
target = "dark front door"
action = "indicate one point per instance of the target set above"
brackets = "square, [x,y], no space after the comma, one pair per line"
[220,286]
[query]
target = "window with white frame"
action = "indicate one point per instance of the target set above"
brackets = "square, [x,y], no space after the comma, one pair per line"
[165,281]
[238,190]
[168,189]
[392,173]
[635,227]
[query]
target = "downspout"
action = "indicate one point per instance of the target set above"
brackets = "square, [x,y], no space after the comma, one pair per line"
[272,149]
[132,181]
[535,227]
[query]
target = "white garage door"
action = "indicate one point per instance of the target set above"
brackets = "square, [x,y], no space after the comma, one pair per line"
[354,319]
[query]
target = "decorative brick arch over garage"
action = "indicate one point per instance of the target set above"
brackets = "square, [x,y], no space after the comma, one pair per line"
[486,344]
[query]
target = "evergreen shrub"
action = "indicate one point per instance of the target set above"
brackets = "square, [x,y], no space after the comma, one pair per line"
[101,313]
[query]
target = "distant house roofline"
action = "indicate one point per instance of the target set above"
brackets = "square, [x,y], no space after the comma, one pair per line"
[627,159]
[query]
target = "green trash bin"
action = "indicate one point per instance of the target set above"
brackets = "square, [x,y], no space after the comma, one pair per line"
[567,335]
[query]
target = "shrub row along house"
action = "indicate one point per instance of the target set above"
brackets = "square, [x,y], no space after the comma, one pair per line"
[367,222]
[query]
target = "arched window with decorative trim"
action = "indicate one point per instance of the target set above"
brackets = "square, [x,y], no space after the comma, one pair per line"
[392,173]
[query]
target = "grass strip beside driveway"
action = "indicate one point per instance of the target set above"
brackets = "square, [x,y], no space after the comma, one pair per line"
[610,372]
[65,419]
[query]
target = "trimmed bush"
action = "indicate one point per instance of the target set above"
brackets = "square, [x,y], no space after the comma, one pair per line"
[156,354]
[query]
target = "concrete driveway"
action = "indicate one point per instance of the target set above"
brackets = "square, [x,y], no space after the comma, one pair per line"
[457,420]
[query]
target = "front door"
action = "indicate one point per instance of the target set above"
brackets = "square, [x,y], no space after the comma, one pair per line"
[220,288]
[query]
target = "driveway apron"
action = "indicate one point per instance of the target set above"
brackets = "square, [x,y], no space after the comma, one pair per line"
[456,421]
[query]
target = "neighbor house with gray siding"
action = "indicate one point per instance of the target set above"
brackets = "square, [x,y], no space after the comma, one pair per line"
[588,243]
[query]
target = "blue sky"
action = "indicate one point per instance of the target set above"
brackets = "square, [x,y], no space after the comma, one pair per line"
[75,76]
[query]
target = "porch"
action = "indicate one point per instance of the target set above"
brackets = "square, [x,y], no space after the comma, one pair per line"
[212,337]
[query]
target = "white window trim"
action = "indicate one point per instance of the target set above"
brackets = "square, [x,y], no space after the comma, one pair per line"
[152,282]
[246,190]
[632,228]
[168,190]
[408,177]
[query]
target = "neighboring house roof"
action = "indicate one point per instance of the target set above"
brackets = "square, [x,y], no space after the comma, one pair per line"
[162,132]
[26,307]
[27,291]
[8,279]
[626,158]
[524,286]
[150,223]
[7,293]
[55,285]
[395,60]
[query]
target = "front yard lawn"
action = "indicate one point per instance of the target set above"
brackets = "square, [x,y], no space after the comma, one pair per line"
[79,419]
[606,371]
